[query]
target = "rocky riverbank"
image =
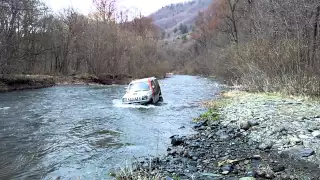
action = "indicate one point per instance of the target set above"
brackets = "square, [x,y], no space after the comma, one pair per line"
[244,136]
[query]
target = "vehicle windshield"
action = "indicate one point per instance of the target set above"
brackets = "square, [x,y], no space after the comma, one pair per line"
[139,86]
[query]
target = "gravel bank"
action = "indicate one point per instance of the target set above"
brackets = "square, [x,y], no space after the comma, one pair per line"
[256,137]
[286,124]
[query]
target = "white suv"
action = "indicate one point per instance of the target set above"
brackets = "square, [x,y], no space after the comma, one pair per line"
[143,91]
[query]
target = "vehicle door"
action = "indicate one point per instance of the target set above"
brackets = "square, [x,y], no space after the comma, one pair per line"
[156,90]
[158,85]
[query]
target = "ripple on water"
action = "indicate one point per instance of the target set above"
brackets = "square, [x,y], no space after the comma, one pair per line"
[4,108]
[85,131]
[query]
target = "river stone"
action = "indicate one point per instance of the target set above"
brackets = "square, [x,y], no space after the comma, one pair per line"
[253,123]
[261,173]
[278,168]
[306,152]
[247,178]
[201,125]
[295,140]
[245,125]
[316,134]
[298,152]
[266,145]
[256,157]
[226,169]
[301,136]
[176,141]
[170,170]
[270,175]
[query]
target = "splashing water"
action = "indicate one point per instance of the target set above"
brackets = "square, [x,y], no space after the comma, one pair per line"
[118,103]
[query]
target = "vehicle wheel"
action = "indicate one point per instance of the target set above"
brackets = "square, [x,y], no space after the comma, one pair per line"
[160,97]
[151,101]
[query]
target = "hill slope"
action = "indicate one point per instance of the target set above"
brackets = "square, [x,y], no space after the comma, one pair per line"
[171,17]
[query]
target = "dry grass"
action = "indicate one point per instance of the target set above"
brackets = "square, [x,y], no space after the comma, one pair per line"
[128,172]
[261,67]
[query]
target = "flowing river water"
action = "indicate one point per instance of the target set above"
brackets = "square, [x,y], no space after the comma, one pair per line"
[85,131]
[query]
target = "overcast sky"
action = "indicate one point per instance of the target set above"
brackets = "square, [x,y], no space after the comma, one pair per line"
[146,7]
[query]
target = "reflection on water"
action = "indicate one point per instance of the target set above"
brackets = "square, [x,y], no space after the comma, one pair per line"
[82,131]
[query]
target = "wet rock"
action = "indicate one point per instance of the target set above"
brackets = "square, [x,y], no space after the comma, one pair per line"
[170,170]
[145,166]
[185,154]
[226,169]
[253,123]
[256,157]
[245,125]
[301,136]
[295,140]
[247,178]
[285,177]
[207,161]
[195,158]
[169,178]
[265,145]
[156,160]
[214,124]
[316,134]
[297,152]
[278,168]
[182,127]
[192,169]
[195,145]
[270,175]
[210,175]
[261,173]
[306,152]
[251,174]
[172,152]
[176,140]
[201,124]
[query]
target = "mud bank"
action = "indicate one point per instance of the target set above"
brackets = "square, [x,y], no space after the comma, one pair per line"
[254,137]
[24,82]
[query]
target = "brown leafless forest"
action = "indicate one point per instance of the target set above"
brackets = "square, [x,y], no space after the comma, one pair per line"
[266,45]
[35,41]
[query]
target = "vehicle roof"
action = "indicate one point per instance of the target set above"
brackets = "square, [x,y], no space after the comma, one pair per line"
[143,80]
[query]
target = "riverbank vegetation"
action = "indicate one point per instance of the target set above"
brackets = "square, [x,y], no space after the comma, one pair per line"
[105,43]
[267,46]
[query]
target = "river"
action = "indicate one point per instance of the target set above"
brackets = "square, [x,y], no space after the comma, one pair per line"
[85,131]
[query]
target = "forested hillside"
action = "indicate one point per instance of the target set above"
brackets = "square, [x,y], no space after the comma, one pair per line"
[179,18]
